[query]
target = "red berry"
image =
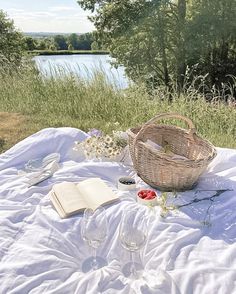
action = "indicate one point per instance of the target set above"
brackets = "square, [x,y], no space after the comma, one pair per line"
[150,197]
[140,194]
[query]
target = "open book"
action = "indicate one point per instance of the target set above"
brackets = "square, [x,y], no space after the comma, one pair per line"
[69,198]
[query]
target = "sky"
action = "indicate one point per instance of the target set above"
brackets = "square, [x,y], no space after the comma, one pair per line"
[62,16]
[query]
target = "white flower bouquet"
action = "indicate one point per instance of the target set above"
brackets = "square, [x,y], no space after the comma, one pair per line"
[104,147]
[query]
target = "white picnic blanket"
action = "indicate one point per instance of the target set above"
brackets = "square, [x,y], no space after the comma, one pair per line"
[192,250]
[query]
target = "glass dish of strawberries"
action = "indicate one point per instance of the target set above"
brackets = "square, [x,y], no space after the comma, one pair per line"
[147,197]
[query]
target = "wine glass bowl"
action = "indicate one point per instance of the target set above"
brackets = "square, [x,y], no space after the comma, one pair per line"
[94,227]
[94,233]
[133,236]
[132,240]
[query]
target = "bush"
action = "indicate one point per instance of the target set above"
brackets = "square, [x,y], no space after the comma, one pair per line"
[11,42]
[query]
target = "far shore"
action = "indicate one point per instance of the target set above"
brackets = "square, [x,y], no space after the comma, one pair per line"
[67,52]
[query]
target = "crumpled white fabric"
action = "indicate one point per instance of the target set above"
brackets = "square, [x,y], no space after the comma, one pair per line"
[32,178]
[41,253]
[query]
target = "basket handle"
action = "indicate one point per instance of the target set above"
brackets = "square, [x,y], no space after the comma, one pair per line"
[192,130]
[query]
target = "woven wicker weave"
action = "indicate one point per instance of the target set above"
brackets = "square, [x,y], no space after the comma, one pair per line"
[160,170]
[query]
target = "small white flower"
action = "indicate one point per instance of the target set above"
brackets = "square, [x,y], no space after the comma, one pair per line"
[107,139]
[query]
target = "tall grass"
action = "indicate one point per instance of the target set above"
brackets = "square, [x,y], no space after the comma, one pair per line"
[71,101]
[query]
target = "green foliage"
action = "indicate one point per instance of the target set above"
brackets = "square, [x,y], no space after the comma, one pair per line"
[73,41]
[144,36]
[41,44]
[158,40]
[85,41]
[30,43]
[60,42]
[70,47]
[11,42]
[94,45]
[213,43]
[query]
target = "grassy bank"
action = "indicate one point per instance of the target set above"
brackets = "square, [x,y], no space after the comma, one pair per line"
[70,101]
[67,52]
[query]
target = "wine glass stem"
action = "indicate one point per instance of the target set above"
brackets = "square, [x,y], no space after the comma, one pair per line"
[94,261]
[132,268]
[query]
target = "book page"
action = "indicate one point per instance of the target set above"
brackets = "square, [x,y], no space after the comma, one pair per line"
[57,204]
[96,192]
[69,197]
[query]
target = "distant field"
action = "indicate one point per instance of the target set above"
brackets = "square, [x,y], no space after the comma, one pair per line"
[30,103]
[66,52]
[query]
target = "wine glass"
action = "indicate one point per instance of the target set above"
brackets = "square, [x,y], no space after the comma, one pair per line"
[133,235]
[94,232]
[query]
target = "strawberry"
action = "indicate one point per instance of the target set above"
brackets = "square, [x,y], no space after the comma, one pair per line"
[140,194]
[153,193]
[150,197]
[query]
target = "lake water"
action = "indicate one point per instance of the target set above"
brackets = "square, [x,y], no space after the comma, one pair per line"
[83,65]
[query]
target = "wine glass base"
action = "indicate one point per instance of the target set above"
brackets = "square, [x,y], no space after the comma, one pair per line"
[88,265]
[128,271]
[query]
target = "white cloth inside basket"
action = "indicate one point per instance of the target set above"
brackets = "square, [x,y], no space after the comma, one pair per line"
[162,149]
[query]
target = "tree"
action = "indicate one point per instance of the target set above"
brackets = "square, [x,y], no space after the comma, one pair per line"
[97,43]
[156,40]
[11,41]
[213,43]
[73,41]
[49,43]
[140,35]
[41,44]
[180,53]
[95,46]
[70,47]
[52,47]
[85,41]
[30,44]
[60,42]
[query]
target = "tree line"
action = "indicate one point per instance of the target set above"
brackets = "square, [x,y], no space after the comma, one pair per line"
[62,42]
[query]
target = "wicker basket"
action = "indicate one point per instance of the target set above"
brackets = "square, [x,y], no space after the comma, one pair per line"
[160,170]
